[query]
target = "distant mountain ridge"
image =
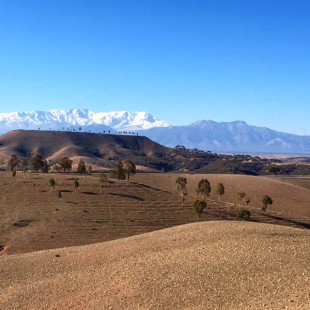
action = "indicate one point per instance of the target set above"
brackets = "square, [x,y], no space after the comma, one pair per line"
[58,119]
[234,137]
[207,135]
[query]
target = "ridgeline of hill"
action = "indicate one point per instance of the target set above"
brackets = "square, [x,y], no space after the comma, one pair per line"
[105,149]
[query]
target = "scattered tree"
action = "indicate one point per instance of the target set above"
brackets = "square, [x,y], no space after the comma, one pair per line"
[81,168]
[220,190]
[89,170]
[129,168]
[36,162]
[56,168]
[240,196]
[66,164]
[13,162]
[266,200]
[204,188]
[52,183]
[181,184]
[14,174]
[247,201]
[24,164]
[44,166]
[243,214]
[25,168]
[199,206]
[103,179]
[25,171]
[119,171]
[76,185]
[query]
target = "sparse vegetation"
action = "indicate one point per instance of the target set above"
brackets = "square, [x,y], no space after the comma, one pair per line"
[220,190]
[76,185]
[204,188]
[240,198]
[119,171]
[181,185]
[81,168]
[243,214]
[103,181]
[111,147]
[66,164]
[129,168]
[36,162]
[52,183]
[89,170]
[143,205]
[199,206]
[56,168]
[13,162]
[267,201]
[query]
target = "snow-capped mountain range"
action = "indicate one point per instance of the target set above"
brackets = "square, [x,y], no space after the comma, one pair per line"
[236,136]
[56,119]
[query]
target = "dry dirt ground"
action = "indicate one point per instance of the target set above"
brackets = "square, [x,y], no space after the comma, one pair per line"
[207,265]
[291,196]
[33,218]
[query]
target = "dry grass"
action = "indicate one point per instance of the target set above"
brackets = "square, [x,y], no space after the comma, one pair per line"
[206,265]
[34,218]
[302,181]
[85,217]
[210,265]
[290,200]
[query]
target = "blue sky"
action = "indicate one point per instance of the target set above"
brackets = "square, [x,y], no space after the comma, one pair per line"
[179,60]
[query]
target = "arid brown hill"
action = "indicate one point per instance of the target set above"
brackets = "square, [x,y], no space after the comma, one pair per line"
[54,145]
[104,149]
[208,265]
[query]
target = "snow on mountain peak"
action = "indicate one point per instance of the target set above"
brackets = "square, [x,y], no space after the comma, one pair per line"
[57,118]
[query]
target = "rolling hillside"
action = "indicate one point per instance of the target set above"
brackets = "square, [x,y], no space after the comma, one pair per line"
[103,150]
[209,265]
[54,145]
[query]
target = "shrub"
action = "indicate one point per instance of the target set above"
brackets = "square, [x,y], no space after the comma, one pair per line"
[220,190]
[243,214]
[52,183]
[266,200]
[76,184]
[199,206]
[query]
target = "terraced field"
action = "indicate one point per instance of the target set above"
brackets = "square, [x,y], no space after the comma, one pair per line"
[32,217]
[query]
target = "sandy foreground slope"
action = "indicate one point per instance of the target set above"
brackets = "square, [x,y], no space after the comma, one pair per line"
[207,265]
